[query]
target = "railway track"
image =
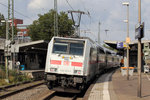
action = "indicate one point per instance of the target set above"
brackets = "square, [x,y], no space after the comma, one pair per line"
[46,94]
[14,89]
[59,96]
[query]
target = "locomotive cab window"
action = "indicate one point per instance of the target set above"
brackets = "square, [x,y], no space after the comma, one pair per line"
[60,48]
[76,48]
[71,47]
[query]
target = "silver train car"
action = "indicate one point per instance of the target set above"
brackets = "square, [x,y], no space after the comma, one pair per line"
[72,63]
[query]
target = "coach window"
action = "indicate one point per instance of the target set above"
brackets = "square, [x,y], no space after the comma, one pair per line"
[76,48]
[93,54]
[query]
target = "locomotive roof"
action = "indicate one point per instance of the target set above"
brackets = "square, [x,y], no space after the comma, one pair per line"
[76,38]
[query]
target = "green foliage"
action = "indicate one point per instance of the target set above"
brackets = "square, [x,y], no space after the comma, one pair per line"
[43,28]
[3,27]
[3,82]
[14,77]
[2,67]
[2,72]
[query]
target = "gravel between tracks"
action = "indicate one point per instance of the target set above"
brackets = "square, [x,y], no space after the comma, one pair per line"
[31,94]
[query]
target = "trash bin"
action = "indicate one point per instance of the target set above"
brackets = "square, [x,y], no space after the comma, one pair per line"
[131,69]
[22,67]
[146,69]
[124,71]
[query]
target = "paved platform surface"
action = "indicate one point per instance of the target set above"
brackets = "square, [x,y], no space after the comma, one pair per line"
[114,86]
[127,89]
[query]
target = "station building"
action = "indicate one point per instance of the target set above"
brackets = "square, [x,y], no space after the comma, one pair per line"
[132,51]
[30,54]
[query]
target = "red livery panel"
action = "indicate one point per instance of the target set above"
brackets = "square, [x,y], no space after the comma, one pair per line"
[78,64]
[55,62]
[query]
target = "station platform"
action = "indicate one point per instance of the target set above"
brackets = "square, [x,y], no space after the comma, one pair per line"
[114,86]
[36,74]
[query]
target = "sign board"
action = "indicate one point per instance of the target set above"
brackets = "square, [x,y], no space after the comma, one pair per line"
[14,48]
[120,45]
[127,40]
[125,45]
[139,31]
[17,63]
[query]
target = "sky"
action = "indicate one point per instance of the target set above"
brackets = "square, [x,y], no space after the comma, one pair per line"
[110,13]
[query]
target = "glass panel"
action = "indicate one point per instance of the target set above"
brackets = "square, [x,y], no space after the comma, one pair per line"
[60,48]
[76,48]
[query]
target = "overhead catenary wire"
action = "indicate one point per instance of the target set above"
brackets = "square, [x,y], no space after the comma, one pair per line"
[76,15]
[16,11]
[69,4]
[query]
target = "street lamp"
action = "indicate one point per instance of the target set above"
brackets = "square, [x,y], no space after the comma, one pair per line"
[127,21]
[106,30]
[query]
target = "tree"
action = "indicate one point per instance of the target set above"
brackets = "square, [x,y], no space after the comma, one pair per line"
[43,28]
[3,27]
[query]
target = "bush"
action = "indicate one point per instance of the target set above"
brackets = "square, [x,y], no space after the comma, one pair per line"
[3,82]
[14,77]
[2,72]
[2,67]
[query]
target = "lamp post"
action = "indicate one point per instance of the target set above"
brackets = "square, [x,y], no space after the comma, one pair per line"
[127,21]
[139,54]
[99,33]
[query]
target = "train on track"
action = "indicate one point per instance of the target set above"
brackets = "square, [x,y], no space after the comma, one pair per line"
[72,63]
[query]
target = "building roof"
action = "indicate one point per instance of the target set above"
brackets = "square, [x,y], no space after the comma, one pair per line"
[113,44]
[40,44]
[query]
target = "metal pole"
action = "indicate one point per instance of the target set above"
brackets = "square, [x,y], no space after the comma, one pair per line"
[139,52]
[8,17]
[106,30]
[99,32]
[55,19]
[7,29]
[6,51]
[12,20]
[128,43]
[77,25]
[6,68]
[13,64]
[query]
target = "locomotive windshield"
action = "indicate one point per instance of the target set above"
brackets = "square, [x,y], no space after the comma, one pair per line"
[76,48]
[60,48]
[68,47]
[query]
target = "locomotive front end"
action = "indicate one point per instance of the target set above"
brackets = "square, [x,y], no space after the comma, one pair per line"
[65,65]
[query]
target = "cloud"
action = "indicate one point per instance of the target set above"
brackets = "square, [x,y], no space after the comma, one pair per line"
[110,13]
[38,4]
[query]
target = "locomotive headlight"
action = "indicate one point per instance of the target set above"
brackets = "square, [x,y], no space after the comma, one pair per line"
[77,71]
[53,69]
